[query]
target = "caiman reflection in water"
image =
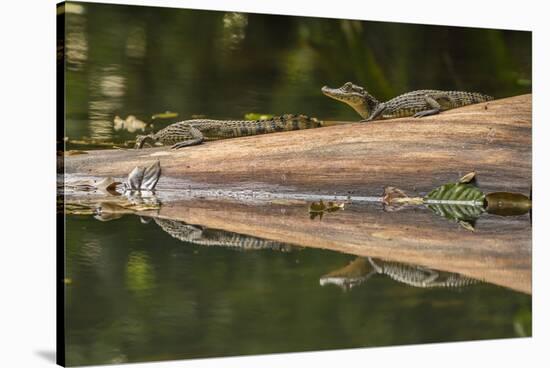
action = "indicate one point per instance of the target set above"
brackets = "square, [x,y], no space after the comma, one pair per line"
[213,237]
[361,269]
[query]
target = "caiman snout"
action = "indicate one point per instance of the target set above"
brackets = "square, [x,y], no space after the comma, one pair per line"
[326,90]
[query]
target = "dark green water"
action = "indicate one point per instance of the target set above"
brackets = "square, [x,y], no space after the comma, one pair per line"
[137,294]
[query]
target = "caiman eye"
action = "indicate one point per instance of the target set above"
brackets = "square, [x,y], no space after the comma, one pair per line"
[347,85]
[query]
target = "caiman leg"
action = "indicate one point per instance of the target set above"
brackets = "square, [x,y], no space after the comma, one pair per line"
[376,113]
[198,138]
[432,102]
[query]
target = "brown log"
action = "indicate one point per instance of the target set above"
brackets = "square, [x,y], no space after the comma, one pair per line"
[493,138]
[360,159]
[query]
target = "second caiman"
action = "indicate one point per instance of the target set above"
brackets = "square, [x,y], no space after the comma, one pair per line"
[193,132]
[416,103]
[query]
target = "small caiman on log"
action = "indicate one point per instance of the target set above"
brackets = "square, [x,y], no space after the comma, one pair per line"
[193,132]
[417,103]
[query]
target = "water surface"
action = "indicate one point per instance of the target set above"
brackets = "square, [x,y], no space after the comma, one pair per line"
[138,294]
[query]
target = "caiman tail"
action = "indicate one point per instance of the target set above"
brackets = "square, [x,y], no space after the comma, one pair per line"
[460,98]
[282,123]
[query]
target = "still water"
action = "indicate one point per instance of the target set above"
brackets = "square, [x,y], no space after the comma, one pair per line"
[136,293]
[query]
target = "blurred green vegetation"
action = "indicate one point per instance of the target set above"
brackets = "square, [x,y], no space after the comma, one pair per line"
[141,60]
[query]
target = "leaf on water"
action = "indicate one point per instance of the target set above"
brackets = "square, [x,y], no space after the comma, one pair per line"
[456,192]
[457,212]
[318,209]
[165,115]
[462,202]
[135,178]
[144,178]
[312,215]
[257,116]
[468,177]
[151,176]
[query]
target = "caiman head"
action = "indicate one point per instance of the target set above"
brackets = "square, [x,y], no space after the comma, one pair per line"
[355,273]
[355,96]
[142,140]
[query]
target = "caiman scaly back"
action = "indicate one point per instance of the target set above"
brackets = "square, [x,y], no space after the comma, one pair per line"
[417,103]
[193,132]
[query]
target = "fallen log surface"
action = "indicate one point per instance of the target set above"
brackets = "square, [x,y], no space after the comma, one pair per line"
[416,155]
[493,139]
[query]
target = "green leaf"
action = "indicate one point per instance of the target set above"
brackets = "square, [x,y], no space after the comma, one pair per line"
[456,201]
[456,192]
